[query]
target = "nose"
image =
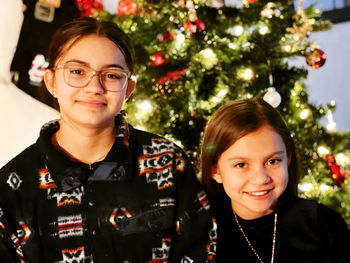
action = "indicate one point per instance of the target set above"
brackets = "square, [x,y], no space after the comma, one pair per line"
[260,176]
[94,85]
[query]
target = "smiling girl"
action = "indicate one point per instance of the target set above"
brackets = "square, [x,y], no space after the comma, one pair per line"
[250,172]
[93,188]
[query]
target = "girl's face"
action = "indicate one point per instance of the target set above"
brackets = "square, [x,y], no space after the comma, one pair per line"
[254,172]
[90,105]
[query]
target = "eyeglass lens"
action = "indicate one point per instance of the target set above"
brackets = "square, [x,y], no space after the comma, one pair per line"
[79,76]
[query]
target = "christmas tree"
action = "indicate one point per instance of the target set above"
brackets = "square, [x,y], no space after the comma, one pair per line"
[195,55]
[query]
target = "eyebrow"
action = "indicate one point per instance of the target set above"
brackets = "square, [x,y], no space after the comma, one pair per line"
[267,157]
[88,65]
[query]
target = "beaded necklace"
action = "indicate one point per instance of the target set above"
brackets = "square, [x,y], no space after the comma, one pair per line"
[251,246]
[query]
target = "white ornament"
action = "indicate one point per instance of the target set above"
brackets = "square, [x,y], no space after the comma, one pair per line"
[272,97]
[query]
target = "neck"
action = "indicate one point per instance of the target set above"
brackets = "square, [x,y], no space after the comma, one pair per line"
[84,144]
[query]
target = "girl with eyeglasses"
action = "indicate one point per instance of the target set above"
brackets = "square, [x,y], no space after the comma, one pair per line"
[93,188]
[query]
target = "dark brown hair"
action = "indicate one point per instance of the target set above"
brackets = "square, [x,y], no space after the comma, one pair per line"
[71,32]
[68,34]
[231,122]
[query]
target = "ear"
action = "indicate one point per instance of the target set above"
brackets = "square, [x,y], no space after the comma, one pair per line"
[215,174]
[130,88]
[49,82]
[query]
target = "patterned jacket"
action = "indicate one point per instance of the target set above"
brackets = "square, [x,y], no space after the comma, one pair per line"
[142,203]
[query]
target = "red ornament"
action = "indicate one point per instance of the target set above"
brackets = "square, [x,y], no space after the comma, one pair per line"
[252,1]
[158,60]
[337,173]
[127,7]
[195,26]
[86,6]
[167,35]
[200,25]
[171,75]
[189,26]
[316,58]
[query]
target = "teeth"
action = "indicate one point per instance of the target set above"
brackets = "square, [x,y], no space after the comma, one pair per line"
[258,193]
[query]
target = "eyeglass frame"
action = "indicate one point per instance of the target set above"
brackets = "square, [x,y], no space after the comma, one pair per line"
[94,73]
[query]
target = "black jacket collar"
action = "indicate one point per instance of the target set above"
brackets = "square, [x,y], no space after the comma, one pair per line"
[68,174]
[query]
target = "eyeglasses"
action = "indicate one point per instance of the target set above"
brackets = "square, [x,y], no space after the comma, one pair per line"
[78,76]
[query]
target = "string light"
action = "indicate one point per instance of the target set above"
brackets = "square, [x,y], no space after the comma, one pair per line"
[246,74]
[219,96]
[207,58]
[305,187]
[324,187]
[144,107]
[232,46]
[286,48]
[236,30]
[263,30]
[322,150]
[179,40]
[304,114]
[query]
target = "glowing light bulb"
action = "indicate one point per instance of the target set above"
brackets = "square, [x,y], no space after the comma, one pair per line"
[322,150]
[305,187]
[324,187]
[232,46]
[263,30]
[207,58]
[304,114]
[145,106]
[236,30]
[287,48]
[341,158]
[248,74]
[179,40]
[219,96]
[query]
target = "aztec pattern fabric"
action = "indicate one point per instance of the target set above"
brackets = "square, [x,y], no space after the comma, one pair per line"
[143,203]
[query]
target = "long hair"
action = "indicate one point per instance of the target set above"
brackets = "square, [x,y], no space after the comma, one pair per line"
[231,122]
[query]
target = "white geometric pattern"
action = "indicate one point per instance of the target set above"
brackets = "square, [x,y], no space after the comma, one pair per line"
[14,181]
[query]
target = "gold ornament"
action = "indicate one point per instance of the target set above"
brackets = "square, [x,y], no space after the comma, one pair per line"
[299,32]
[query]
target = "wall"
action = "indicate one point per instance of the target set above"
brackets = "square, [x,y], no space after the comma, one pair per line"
[331,82]
[21,116]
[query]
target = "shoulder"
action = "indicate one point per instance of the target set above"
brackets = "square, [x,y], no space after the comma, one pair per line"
[25,156]
[331,220]
[312,214]
[154,142]
[17,178]
[20,164]
[311,207]
[300,208]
